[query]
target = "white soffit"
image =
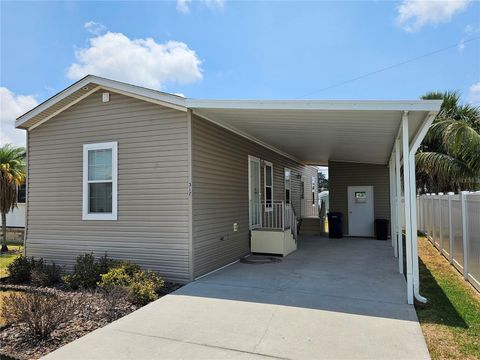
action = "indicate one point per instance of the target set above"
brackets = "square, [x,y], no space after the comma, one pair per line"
[315,136]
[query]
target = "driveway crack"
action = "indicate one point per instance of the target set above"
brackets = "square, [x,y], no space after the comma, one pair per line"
[265,332]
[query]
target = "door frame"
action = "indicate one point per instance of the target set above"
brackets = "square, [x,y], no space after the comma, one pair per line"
[369,187]
[253,159]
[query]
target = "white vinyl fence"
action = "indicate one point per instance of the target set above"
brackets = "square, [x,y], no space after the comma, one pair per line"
[452,223]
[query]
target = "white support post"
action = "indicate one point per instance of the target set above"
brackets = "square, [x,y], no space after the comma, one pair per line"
[407,190]
[392,204]
[450,227]
[463,199]
[398,211]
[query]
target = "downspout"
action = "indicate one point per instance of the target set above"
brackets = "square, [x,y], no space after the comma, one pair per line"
[416,274]
[413,149]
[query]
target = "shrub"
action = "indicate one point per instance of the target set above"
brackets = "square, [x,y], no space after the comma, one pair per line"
[142,286]
[20,270]
[40,313]
[105,264]
[114,296]
[87,271]
[45,275]
[145,287]
[37,272]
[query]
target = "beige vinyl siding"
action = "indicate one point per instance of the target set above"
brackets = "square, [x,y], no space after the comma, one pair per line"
[153,208]
[220,192]
[344,174]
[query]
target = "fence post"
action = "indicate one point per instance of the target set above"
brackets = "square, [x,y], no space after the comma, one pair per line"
[463,200]
[419,213]
[432,208]
[450,226]
[440,232]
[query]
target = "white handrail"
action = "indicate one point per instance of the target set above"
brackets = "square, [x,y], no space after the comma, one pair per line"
[278,216]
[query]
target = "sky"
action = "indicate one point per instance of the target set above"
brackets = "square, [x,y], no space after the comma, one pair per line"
[222,49]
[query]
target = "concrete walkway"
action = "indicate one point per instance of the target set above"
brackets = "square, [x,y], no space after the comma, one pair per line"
[331,299]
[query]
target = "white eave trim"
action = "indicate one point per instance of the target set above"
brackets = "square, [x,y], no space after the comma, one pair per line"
[364,105]
[157,97]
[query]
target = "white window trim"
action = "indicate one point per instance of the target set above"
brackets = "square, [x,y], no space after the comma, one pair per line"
[265,164]
[100,216]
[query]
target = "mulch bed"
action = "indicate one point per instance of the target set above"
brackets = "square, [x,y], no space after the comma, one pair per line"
[94,312]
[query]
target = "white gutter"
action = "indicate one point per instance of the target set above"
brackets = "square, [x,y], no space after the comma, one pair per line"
[365,105]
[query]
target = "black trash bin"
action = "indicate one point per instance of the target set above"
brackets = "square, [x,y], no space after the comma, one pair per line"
[381,229]
[335,222]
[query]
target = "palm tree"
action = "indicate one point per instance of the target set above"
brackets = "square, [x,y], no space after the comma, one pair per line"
[12,175]
[449,157]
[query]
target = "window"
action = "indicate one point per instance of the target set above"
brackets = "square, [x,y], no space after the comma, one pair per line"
[287,186]
[21,193]
[268,180]
[100,181]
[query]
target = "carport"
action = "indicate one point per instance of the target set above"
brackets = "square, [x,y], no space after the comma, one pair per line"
[317,132]
[331,299]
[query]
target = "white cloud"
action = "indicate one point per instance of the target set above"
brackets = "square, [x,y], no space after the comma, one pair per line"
[183,6]
[414,14]
[11,107]
[95,28]
[474,93]
[138,61]
[461,46]
[214,4]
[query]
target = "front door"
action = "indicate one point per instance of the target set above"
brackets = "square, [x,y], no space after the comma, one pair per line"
[360,211]
[254,192]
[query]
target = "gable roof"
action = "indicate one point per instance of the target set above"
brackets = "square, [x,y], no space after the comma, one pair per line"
[310,131]
[86,86]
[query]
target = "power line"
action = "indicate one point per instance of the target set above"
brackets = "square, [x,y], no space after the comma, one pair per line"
[391,66]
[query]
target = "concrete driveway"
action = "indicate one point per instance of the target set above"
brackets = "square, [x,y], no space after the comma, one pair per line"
[331,299]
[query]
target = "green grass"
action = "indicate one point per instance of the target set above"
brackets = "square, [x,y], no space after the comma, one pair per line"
[15,250]
[451,319]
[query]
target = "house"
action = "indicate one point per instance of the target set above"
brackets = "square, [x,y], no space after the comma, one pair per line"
[16,217]
[185,186]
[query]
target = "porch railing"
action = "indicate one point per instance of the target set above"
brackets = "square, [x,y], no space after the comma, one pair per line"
[310,210]
[279,216]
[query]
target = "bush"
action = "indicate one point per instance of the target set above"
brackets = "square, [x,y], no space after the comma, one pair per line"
[20,270]
[145,287]
[87,271]
[142,286]
[114,297]
[45,275]
[24,270]
[40,313]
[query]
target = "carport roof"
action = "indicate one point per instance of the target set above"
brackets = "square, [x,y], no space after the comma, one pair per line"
[311,131]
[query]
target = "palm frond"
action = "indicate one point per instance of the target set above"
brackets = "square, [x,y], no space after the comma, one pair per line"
[444,169]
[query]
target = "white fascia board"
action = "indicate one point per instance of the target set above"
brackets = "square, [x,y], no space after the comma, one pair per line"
[51,101]
[127,89]
[365,105]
